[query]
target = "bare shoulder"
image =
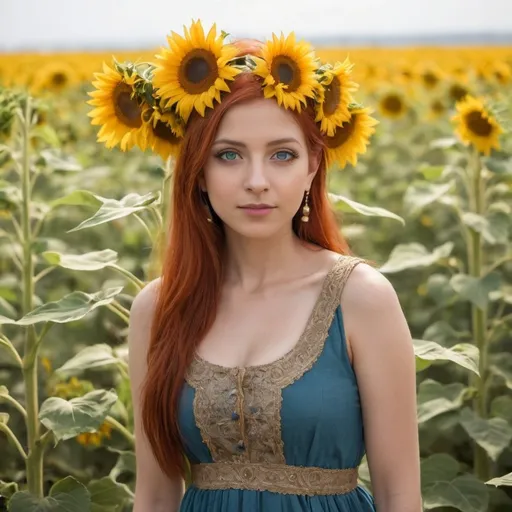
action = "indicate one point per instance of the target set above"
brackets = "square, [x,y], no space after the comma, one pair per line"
[371,310]
[142,309]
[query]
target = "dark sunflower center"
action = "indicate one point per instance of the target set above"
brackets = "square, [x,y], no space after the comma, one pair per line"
[59,79]
[126,108]
[392,103]
[285,71]
[438,107]
[430,79]
[342,134]
[164,132]
[332,97]
[457,92]
[198,71]
[478,124]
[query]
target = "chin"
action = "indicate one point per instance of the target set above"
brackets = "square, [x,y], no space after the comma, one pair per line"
[257,230]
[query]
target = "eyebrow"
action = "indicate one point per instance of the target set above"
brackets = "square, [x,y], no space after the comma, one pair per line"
[238,143]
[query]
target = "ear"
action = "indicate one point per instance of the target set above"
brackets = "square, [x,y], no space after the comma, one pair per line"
[314,165]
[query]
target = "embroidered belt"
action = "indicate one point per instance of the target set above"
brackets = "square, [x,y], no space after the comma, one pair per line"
[278,478]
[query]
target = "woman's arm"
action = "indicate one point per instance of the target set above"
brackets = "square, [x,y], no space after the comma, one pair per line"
[154,491]
[383,360]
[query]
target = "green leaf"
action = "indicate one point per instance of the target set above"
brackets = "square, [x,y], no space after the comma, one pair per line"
[502,367]
[421,194]
[68,418]
[432,172]
[46,133]
[97,356]
[80,198]
[438,287]
[95,260]
[502,480]
[501,407]
[463,354]
[465,493]
[112,209]
[7,489]
[476,290]
[493,435]
[67,495]
[126,463]
[494,229]
[108,493]
[414,255]
[445,143]
[435,399]
[5,320]
[346,204]
[57,161]
[438,467]
[72,307]
[442,332]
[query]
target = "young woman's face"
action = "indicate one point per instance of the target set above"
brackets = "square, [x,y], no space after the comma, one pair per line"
[259,156]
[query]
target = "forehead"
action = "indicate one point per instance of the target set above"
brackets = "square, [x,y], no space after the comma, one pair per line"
[261,119]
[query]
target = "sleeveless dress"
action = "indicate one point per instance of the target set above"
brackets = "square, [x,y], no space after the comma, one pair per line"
[280,437]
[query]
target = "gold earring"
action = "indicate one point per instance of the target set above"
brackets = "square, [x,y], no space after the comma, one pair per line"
[204,195]
[305,209]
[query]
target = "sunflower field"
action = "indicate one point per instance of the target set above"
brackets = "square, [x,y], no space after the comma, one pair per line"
[429,200]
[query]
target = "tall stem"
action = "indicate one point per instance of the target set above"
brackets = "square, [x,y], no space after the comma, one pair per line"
[34,459]
[478,315]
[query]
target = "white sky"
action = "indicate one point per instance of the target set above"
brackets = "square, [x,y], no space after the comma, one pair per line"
[74,24]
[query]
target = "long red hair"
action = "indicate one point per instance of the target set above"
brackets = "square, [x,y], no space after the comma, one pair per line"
[193,269]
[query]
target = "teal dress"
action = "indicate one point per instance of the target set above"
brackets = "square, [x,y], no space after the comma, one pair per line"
[280,437]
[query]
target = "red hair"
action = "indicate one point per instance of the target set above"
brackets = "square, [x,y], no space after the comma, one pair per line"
[193,270]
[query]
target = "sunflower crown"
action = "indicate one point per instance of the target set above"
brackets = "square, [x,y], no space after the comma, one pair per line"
[149,104]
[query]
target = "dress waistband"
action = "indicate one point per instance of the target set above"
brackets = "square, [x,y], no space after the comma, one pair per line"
[278,478]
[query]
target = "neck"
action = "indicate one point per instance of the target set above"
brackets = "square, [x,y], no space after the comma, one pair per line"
[253,263]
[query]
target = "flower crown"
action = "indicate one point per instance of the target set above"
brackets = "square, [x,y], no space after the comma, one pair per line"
[149,104]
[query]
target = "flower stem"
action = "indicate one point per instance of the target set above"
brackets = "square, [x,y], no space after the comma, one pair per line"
[121,428]
[478,315]
[12,437]
[34,458]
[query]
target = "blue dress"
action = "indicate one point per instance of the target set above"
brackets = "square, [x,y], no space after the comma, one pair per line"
[280,437]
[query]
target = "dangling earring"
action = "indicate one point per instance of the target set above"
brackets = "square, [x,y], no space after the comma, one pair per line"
[204,196]
[305,209]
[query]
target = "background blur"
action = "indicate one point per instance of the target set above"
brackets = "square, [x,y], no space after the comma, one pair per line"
[428,199]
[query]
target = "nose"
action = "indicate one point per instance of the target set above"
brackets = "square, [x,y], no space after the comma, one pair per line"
[256,178]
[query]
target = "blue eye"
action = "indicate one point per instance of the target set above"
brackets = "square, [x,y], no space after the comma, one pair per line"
[285,156]
[228,155]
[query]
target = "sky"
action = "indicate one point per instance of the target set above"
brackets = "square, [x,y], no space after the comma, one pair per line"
[133,24]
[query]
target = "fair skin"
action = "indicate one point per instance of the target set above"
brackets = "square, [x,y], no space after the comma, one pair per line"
[272,282]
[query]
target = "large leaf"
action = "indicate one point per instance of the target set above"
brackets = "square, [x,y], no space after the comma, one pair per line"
[441,487]
[80,198]
[493,435]
[414,255]
[72,307]
[502,367]
[95,357]
[57,161]
[126,463]
[501,407]
[95,260]
[346,204]
[68,418]
[5,320]
[494,230]
[464,354]
[112,209]
[67,495]
[502,480]
[420,194]
[435,399]
[476,290]
[107,493]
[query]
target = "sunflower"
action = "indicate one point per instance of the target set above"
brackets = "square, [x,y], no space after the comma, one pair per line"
[392,105]
[502,72]
[163,132]
[193,71]
[351,139]
[457,92]
[332,108]
[118,111]
[437,109]
[54,77]
[288,69]
[476,125]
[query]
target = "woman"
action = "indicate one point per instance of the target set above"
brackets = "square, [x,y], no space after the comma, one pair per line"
[266,358]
